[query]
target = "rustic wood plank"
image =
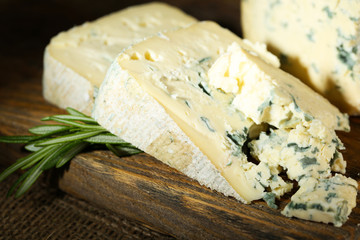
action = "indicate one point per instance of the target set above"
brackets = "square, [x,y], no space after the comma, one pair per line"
[144,189]
[140,187]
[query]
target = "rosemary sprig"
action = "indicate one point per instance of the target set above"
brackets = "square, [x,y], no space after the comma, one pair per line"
[54,145]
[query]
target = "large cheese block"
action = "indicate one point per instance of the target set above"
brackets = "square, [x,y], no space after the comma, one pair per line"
[316,40]
[203,101]
[76,61]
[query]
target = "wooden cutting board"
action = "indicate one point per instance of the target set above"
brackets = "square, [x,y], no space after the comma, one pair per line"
[144,189]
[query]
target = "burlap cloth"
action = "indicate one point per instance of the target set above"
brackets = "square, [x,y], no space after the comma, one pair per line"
[46,213]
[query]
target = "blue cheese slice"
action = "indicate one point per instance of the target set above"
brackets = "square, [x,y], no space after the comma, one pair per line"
[317,41]
[160,100]
[76,61]
[161,95]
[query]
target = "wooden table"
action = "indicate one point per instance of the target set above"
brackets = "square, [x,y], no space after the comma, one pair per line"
[138,187]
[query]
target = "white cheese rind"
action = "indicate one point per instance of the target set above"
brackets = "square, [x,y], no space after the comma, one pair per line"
[76,61]
[64,87]
[317,41]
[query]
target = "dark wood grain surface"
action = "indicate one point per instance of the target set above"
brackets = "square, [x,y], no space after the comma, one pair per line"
[138,187]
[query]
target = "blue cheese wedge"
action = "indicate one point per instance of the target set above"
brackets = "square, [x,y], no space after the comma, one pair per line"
[317,41]
[164,96]
[324,200]
[76,61]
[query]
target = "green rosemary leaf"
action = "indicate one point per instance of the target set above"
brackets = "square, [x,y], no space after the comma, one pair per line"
[71,153]
[71,118]
[32,148]
[72,123]
[17,182]
[70,137]
[33,175]
[123,151]
[59,153]
[75,112]
[48,129]
[32,156]
[12,169]
[20,163]
[105,138]
[38,155]
[36,145]
[76,129]
[17,139]
[36,170]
